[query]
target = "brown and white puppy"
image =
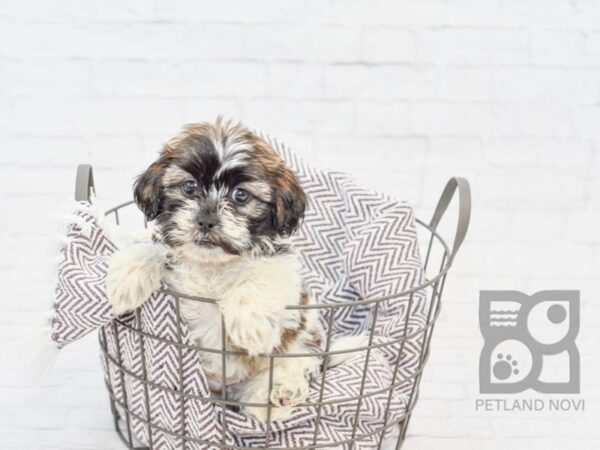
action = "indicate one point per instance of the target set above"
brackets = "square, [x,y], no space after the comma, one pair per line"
[222,204]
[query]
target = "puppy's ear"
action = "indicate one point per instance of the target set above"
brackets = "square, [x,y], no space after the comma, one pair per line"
[289,202]
[147,189]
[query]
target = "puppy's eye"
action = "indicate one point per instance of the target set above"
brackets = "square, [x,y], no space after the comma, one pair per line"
[240,196]
[189,187]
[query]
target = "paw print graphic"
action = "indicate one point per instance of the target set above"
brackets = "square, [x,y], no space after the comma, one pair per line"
[505,367]
[529,342]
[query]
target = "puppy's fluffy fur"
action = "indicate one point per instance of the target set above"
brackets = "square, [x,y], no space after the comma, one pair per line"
[223,205]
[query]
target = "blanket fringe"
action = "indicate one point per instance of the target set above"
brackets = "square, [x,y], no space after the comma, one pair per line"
[36,344]
[39,349]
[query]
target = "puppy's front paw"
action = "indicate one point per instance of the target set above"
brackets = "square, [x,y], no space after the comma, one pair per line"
[290,392]
[256,332]
[133,274]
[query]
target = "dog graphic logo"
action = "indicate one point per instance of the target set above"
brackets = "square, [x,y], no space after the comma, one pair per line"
[529,342]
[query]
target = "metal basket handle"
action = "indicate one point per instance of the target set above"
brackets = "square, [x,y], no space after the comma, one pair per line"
[464,210]
[84,183]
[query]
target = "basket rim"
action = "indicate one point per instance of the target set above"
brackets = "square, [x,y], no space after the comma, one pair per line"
[429,323]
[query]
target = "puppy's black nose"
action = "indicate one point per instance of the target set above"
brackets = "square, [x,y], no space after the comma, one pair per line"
[207,222]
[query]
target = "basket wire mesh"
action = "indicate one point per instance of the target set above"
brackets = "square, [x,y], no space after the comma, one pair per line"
[432,286]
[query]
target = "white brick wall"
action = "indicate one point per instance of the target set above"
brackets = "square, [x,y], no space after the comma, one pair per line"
[403,94]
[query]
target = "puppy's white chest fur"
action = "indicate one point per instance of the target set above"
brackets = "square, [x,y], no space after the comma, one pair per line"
[202,318]
[251,294]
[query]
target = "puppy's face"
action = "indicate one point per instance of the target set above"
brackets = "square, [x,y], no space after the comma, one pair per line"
[219,191]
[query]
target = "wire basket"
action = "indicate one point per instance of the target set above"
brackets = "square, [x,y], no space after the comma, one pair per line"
[431,289]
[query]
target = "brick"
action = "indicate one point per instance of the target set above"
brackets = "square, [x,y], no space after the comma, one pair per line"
[202,109]
[27,181]
[114,185]
[52,116]
[446,391]
[300,142]
[68,8]
[388,45]
[475,13]
[79,378]
[455,151]
[122,77]
[89,418]
[157,40]
[64,116]
[383,118]
[540,187]
[434,408]
[203,10]
[388,12]
[386,81]
[21,282]
[44,39]
[592,193]
[547,120]
[225,79]
[588,12]
[295,80]
[406,155]
[122,9]
[465,118]
[356,12]
[533,443]
[23,263]
[373,154]
[562,13]
[539,260]
[526,226]
[444,428]
[154,142]
[465,45]
[6,115]
[47,77]
[41,152]
[544,152]
[467,83]
[25,418]
[586,119]
[20,439]
[452,373]
[582,227]
[306,116]
[559,46]
[115,152]
[593,44]
[306,11]
[216,41]
[526,427]
[537,84]
[303,42]
[72,438]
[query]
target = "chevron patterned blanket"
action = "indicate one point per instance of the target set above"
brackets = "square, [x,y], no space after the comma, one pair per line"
[356,244]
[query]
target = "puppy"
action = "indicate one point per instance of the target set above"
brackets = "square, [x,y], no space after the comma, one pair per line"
[222,205]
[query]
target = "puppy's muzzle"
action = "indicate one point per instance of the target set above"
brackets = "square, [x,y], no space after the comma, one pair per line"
[207,221]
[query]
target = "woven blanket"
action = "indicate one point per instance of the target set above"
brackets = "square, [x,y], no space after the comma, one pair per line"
[356,244]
